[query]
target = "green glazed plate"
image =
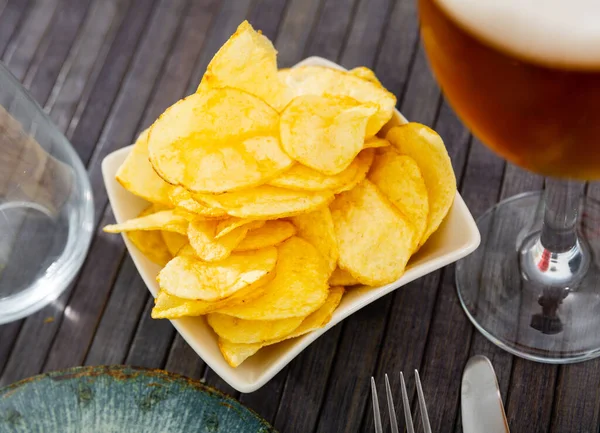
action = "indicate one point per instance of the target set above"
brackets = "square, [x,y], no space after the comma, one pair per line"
[121,399]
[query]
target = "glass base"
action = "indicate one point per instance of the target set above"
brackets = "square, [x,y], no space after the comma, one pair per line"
[540,307]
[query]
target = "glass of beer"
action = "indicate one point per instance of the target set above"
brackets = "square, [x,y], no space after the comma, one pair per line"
[524,76]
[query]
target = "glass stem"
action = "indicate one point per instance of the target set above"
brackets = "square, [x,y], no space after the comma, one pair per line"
[559,231]
[555,257]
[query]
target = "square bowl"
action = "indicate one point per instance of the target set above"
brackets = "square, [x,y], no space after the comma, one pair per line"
[457,237]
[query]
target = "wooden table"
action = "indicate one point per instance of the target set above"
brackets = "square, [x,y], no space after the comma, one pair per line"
[105,69]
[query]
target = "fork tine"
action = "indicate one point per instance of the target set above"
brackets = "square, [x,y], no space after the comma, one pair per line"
[422,406]
[390,401]
[406,404]
[376,414]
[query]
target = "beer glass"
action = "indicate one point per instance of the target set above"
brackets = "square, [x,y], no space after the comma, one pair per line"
[525,78]
[46,206]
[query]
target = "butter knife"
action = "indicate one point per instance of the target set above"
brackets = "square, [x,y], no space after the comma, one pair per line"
[481,404]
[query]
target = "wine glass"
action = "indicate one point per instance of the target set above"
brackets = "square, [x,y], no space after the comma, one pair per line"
[525,78]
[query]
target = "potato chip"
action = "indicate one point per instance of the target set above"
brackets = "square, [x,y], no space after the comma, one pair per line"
[375,241]
[182,198]
[342,278]
[167,306]
[174,241]
[375,142]
[366,74]
[365,160]
[201,234]
[267,202]
[399,179]
[319,80]
[324,132]
[190,278]
[138,177]
[229,224]
[247,61]
[251,331]
[317,228]
[299,287]
[301,177]
[217,141]
[426,147]
[163,220]
[270,234]
[150,244]
[236,353]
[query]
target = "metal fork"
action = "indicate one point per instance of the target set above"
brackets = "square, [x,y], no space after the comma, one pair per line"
[405,403]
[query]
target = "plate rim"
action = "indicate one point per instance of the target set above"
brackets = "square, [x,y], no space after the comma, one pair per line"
[130,371]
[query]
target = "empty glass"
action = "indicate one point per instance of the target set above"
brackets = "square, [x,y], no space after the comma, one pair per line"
[46,207]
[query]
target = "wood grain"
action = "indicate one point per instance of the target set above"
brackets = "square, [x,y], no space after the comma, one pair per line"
[105,69]
[13,12]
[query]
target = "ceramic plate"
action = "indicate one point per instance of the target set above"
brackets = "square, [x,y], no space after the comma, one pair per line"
[457,237]
[121,400]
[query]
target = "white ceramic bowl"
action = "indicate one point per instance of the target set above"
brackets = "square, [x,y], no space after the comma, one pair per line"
[457,237]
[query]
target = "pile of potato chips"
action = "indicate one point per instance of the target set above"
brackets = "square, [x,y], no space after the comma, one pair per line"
[271,191]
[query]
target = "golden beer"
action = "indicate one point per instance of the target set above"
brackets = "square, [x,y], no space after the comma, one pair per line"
[528,89]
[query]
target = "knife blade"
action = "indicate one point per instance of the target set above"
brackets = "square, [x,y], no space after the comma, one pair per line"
[481,404]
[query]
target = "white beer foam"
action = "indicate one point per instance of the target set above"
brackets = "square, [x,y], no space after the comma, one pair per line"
[552,32]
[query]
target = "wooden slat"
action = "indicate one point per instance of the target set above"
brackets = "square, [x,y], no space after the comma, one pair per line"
[92,48]
[59,38]
[22,49]
[12,14]
[398,47]
[366,32]
[120,317]
[8,335]
[331,29]
[86,57]
[120,128]
[89,125]
[530,396]
[348,387]
[183,360]
[422,86]
[296,28]
[303,394]
[266,15]
[576,405]
[152,340]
